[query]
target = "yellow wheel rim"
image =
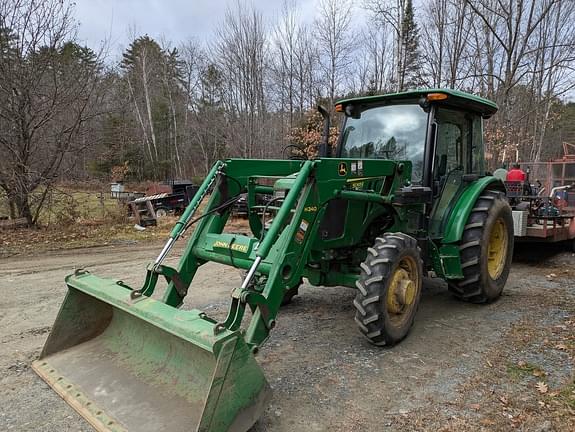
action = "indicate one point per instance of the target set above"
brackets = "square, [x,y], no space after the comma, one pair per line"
[497,249]
[403,290]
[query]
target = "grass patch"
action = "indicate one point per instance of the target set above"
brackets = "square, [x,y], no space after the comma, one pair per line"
[518,371]
[79,235]
[74,218]
[567,395]
[64,205]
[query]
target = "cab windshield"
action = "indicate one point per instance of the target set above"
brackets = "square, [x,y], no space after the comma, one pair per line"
[394,132]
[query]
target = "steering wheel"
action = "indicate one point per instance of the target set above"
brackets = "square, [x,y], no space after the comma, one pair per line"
[292,156]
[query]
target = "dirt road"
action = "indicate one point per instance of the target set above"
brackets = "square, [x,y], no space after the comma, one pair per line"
[463,367]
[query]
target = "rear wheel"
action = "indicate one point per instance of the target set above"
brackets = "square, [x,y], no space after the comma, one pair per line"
[389,289]
[486,250]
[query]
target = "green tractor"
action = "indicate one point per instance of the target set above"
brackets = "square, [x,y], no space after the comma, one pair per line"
[404,194]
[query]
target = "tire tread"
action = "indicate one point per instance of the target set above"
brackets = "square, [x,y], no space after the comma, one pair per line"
[379,263]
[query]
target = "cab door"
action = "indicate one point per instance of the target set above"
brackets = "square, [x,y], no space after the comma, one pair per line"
[452,160]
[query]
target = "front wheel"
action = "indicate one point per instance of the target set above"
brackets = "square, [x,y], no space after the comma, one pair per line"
[486,250]
[389,289]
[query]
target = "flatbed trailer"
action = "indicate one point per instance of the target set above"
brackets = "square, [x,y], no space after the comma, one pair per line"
[553,230]
[557,229]
[540,228]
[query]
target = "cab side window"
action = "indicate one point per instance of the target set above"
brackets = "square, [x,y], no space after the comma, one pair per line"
[453,146]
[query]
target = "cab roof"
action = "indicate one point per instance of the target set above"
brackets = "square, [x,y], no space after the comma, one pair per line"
[455,98]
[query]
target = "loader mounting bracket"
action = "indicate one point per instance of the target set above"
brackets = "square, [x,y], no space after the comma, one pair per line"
[170,274]
[241,297]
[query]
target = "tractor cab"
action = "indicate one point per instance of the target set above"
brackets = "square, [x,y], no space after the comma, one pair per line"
[439,131]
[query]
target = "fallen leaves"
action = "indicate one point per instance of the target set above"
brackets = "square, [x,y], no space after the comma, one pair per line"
[487,422]
[542,387]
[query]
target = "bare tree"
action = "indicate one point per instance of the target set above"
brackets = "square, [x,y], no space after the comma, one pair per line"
[240,47]
[521,36]
[307,64]
[392,14]
[447,42]
[285,38]
[174,112]
[553,75]
[335,42]
[379,47]
[193,61]
[48,91]
[172,81]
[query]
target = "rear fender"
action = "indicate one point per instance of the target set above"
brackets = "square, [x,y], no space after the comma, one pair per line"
[462,209]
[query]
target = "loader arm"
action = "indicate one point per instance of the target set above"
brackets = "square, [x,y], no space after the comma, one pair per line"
[275,259]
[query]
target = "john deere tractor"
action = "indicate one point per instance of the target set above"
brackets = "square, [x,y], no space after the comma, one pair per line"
[403,195]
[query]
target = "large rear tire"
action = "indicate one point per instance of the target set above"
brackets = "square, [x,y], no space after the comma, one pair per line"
[486,250]
[389,289]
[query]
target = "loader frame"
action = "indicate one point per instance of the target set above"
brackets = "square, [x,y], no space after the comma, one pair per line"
[277,258]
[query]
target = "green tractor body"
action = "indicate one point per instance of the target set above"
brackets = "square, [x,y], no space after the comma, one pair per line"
[404,193]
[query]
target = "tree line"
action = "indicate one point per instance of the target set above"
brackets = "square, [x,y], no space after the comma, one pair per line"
[170,109]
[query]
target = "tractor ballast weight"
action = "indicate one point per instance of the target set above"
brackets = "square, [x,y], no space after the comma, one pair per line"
[376,217]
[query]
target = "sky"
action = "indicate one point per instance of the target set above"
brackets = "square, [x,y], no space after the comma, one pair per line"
[175,20]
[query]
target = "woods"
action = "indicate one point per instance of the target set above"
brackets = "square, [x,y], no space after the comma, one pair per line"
[170,108]
[49,88]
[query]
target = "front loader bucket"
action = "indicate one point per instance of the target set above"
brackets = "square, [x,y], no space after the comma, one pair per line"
[141,365]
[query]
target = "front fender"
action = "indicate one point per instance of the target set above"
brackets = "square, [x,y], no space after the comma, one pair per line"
[462,210]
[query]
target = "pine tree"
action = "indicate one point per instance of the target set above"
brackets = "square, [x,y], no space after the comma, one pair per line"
[212,84]
[410,63]
[153,77]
